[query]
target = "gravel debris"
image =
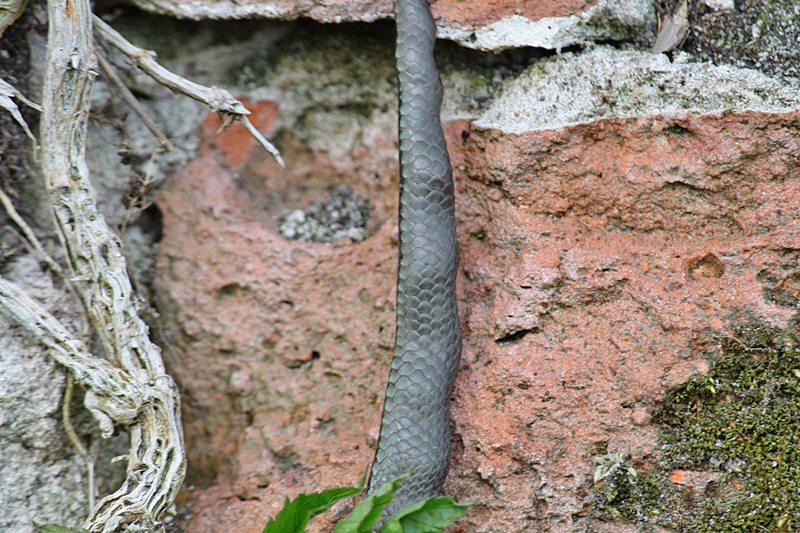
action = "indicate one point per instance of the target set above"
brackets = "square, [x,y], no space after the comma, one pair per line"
[342,214]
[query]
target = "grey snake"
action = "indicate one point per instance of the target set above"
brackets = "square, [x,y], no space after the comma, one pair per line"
[415,426]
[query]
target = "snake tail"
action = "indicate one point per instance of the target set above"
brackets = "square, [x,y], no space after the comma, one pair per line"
[415,426]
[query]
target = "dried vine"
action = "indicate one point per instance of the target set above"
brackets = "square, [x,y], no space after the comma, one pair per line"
[132,388]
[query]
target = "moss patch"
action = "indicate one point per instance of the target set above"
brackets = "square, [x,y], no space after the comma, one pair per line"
[730,454]
[741,420]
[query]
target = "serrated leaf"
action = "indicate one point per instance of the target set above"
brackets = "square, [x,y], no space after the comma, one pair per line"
[296,513]
[367,513]
[53,528]
[429,516]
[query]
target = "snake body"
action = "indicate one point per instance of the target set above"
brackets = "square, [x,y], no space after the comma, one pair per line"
[415,426]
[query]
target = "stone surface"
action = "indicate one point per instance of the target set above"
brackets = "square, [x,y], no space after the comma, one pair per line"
[605,82]
[551,25]
[43,478]
[484,25]
[595,258]
[758,34]
[600,253]
[268,401]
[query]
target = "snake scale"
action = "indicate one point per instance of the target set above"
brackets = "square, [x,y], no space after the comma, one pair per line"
[415,426]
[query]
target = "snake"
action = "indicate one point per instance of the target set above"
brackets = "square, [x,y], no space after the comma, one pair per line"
[415,424]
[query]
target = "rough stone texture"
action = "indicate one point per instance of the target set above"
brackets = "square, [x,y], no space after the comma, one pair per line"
[760,34]
[284,368]
[604,82]
[42,476]
[324,11]
[593,258]
[551,25]
[480,24]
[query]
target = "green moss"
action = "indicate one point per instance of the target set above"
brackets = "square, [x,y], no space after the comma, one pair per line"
[741,420]
[737,428]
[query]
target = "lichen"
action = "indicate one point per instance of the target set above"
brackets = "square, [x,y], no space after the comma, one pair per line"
[757,34]
[347,66]
[339,215]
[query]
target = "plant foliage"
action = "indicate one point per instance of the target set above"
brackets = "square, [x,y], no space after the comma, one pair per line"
[429,516]
[296,513]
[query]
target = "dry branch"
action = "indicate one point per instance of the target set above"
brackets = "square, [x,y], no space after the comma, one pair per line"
[217,99]
[126,94]
[132,388]
[10,10]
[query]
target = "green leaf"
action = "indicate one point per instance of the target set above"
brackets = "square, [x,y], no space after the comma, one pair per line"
[296,513]
[429,516]
[53,528]
[367,513]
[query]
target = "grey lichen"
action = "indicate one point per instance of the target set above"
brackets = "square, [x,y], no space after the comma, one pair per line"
[757,34]
[342,214]
[606,83]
